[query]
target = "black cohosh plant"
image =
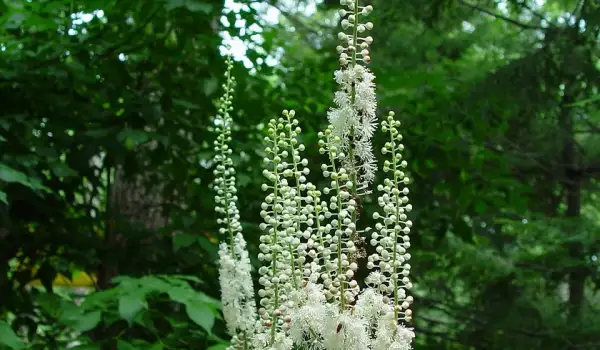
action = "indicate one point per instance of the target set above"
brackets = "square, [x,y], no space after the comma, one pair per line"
[308,296]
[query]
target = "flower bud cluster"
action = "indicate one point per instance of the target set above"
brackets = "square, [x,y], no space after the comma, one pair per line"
[338,277]
[391,236]
[282,253]
[353,118]
[224,172]
[304,216]
[354,47]
[237,290]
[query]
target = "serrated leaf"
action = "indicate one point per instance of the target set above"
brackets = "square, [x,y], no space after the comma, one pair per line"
[9,338]
[88,321]
[201,314]
[130,306]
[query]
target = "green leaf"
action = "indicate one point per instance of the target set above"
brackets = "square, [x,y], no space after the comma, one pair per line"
[9,338]
[132,138]
[69,312]
[88,321]
[180,295]
[201,314]
[183,240]
[9,174]
[15,20]
[480,207]
[185,104]
[188,278]
[130,306]
[243,180]
[3,197]
[210,86]
[196,6]
[192,5]
[87,347]
[62,170]
[218,347]
[123,345]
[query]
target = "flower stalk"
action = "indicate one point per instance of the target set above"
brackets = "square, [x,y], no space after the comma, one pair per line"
[237,290]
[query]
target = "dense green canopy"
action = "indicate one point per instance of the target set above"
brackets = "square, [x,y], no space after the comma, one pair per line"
[106,148]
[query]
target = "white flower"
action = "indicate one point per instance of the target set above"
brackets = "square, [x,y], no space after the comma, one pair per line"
[345,331]
[308,317]
[390,335]
[354,120]
[262,342]
[371,306]
[237,292]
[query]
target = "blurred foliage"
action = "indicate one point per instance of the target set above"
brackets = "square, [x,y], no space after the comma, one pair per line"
[105,162]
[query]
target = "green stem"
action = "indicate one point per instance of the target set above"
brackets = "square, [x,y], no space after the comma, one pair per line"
[351,153]
[339,241]
[227,98]
[274,240]
[246,347]
[397,200]
[298,203]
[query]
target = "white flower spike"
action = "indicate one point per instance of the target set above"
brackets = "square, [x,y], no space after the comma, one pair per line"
[237,290]
[353,118]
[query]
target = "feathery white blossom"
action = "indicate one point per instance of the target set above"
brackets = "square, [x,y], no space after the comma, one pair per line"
[237,292]
[353,118]
[390,335]
[309,316]
[345,330]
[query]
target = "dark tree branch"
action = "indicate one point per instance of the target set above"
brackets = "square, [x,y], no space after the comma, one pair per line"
[524,5]
[499,16]
[293,18]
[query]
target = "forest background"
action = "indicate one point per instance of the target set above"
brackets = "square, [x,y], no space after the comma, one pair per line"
[106,146]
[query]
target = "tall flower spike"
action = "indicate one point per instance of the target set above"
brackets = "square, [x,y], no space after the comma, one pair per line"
[296,170]
[280,243]
[237,291]
[390,262]
[353,119]
[338,278]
